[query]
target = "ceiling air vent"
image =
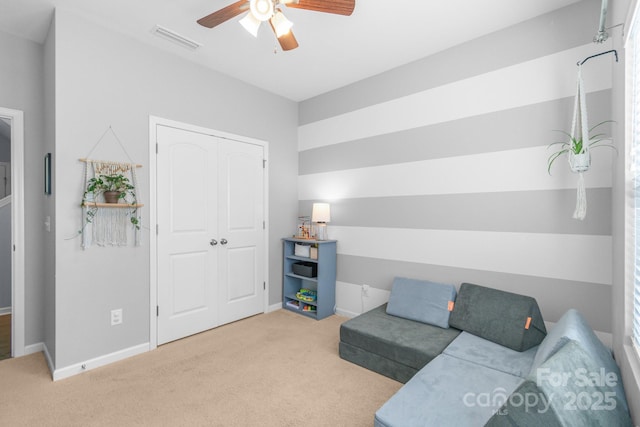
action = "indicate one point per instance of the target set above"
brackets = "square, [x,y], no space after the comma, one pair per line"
[174,37]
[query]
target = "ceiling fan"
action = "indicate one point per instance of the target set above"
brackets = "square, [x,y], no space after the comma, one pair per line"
[269,10]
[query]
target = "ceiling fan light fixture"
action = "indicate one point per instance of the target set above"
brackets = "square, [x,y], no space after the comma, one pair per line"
[281,24]
[251,24]
[261,9]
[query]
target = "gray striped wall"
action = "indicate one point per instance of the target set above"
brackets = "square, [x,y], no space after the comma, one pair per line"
[400,206]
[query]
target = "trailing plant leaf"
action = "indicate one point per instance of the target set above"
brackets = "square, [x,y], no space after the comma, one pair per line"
[575,145]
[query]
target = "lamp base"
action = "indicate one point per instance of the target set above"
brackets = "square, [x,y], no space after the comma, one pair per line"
[321,231]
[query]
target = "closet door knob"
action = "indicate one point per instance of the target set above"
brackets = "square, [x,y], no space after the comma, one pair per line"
[213,242]
[223,241]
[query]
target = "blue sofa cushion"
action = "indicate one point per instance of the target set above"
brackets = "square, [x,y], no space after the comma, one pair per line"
[508,319]
[573,326]
[422,301]
[491,355]
[448,392]
[568,389]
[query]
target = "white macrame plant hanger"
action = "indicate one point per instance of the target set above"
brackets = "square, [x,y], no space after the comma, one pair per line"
[580,162]
[108,226]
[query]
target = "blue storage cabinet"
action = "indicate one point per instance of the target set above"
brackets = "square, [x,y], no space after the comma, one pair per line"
[324,284]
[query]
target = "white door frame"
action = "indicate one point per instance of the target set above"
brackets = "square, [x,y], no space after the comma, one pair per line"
[17,230]
[153,256]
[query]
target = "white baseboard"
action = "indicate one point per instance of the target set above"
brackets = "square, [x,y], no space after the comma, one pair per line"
[5,310]
[346,313]
[274,307]
[47,356]
[78,368]
[34,348]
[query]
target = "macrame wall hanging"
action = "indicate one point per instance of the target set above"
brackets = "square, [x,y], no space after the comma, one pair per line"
[106,217]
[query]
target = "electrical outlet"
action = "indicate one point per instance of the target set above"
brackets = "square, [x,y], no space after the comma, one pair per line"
[116,317]
[365,290]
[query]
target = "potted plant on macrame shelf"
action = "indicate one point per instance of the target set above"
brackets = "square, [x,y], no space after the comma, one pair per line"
[579,155]
[114,188]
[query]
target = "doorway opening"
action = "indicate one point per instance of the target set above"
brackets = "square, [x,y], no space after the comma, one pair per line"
[12,271]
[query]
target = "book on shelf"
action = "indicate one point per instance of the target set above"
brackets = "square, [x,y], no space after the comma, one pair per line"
[293,304]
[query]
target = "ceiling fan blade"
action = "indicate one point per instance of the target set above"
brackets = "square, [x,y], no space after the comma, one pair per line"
[224,14]
[339,7]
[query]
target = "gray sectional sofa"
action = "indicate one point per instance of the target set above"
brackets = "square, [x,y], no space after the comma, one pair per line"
[491,363]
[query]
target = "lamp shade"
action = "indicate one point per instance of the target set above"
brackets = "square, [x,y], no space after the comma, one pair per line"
[321,212]
[251,24]
[281,24]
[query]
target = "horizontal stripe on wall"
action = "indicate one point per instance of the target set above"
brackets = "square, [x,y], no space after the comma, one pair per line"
[556,256]
[554,296]
[523,127]
[542,36]
[539,80]
[520,211]
[512,170]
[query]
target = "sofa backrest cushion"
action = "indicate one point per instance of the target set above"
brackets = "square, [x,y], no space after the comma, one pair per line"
[573,326]
[508,319]
[568,389]
[422,301]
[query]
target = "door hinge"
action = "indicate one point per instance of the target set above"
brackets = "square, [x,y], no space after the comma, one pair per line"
[264,225]
[264,163]
[156,148]
[157,228]
[157,310]
[264,286]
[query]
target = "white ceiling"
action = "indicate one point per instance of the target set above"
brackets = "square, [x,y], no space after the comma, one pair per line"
[334,50]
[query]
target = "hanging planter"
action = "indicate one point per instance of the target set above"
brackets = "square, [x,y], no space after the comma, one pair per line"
[579,159]
[580,162]
[578,144]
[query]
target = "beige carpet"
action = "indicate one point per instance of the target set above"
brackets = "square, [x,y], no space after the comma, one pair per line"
[276,369]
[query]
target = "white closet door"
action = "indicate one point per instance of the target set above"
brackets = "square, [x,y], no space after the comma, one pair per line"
[210,243]
[241,225]
[187,222]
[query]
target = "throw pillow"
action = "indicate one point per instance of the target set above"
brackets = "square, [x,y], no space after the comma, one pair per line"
[508,319]
[422,301]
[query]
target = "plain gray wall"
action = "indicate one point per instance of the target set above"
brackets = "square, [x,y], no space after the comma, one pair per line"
[49,203]
[5,141]
[5,256]
[106,79]
[5,224]
[21,72]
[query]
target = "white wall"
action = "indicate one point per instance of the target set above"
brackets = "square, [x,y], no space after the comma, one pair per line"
[105,79]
